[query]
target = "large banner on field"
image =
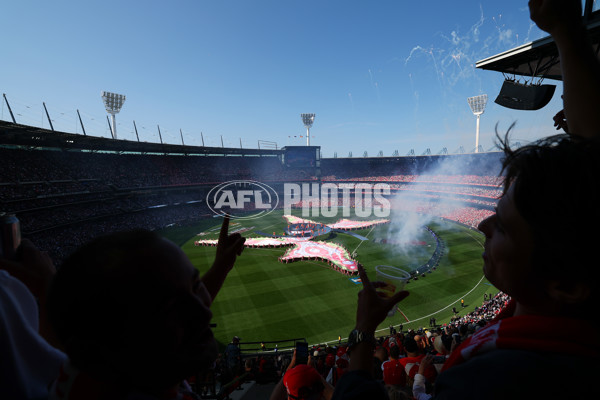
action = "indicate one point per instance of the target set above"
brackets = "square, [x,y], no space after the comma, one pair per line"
[342,224]
[302,248]
[334,254]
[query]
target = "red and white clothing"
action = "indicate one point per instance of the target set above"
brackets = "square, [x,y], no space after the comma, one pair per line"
[523,357]
[411,366]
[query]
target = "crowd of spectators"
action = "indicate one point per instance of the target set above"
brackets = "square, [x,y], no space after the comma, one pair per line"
[78,195]
[493,181]
[466,215]
[398,355]
[46,167]
[465,190]
[485,164]
[60,241]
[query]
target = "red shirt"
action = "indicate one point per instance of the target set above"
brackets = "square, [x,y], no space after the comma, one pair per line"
[393,373]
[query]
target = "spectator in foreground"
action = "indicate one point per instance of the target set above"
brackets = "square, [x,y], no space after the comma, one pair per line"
[537,251]
[133,316]
[28,361]
[544,264]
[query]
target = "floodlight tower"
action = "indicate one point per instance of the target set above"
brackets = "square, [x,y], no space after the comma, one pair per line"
[477,104]
[113,103]
[307,120]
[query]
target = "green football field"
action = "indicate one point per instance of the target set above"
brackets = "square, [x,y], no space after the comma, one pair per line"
[265,300]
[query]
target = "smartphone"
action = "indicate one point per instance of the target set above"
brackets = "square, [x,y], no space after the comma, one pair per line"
[439,359]
[301,352]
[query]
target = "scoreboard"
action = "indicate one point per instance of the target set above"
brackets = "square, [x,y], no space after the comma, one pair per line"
[302,157]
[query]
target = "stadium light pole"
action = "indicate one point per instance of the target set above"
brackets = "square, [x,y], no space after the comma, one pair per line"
[477,104]
[307,120]
[113,103]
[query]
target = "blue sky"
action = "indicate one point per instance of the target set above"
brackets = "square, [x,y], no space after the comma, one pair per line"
[379,75]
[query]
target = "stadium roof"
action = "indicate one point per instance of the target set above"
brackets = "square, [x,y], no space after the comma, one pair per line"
[33,137]
[540,58]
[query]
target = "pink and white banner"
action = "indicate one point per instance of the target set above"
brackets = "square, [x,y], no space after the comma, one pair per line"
[345,224]
[336,255]
[259,242]
[304,249]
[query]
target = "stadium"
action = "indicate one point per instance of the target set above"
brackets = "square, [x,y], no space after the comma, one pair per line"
[310,224]
[67,188]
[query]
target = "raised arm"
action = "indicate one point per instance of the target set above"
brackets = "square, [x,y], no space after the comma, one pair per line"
[371,311]
[228,248]
[579,65]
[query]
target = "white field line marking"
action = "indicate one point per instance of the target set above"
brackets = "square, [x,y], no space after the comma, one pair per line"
[361,242]
[466,294]
[448,306]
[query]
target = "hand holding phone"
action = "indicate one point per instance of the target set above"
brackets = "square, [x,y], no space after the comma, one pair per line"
[301,352]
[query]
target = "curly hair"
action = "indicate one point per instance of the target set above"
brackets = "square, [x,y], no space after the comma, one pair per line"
[556,182]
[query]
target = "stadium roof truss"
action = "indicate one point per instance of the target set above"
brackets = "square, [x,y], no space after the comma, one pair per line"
[32,137]
[539,59]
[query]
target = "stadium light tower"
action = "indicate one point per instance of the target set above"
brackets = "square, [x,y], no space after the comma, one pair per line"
[477,104]
[307,120]
[113,103]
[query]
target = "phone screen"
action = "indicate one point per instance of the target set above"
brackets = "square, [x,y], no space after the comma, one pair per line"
[301,353]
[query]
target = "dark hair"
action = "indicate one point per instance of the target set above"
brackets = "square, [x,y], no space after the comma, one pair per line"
[91,280]
[105,307]
[447,341]
[556,181]
[410,345]
[395,351]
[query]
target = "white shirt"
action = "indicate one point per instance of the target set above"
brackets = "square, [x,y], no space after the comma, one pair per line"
[28,364]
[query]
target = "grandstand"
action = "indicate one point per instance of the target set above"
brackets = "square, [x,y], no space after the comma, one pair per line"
[74,187]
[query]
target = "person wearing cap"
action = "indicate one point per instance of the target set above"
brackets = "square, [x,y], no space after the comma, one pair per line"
[301,382]
[304,382]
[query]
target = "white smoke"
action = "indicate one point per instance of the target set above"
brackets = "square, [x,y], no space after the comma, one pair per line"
[407,227]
